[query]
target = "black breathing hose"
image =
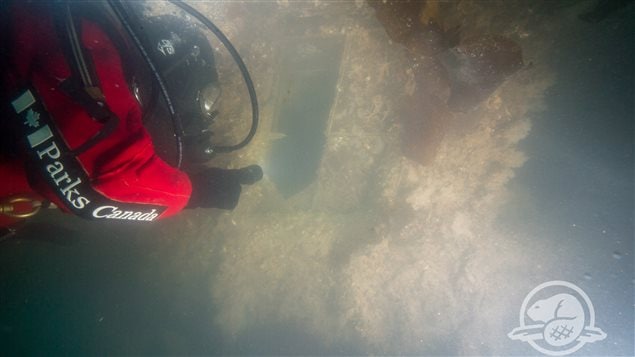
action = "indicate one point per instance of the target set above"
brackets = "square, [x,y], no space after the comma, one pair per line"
[176,122]
[243,69]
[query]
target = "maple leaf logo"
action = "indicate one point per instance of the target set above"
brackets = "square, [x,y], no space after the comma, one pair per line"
[32,119]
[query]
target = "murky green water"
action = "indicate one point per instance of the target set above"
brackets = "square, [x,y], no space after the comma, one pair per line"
[347,246]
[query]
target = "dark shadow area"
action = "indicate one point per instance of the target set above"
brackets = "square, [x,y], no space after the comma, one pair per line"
[106,290]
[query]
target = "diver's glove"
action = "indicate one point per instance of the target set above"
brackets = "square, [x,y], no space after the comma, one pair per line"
[220,188]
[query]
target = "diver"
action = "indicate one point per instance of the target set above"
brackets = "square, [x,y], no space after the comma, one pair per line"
[74,109]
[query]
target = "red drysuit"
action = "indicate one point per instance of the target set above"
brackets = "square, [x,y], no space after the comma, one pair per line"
[123,167]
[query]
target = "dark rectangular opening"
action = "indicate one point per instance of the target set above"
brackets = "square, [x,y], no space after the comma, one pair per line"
[308,76]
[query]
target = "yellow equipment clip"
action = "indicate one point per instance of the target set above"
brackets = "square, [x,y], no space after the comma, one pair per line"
[8,207]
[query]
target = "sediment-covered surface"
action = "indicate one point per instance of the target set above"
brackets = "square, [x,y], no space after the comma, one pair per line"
[406,240]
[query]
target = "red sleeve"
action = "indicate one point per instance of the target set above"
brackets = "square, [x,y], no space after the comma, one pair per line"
[124,166]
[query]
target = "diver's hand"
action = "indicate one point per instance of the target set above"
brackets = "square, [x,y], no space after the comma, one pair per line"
[249,175]
[220,188]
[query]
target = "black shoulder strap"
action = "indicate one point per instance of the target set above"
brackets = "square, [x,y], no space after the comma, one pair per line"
[82,66]
[83,85]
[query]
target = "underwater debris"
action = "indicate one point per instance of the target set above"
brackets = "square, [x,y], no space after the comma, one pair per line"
[477,67]
[415,24]
[450,75]
[424,119]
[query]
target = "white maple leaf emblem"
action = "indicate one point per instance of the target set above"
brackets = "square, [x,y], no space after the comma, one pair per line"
[32,119]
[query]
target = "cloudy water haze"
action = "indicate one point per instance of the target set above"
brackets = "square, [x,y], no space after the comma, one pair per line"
[426,166]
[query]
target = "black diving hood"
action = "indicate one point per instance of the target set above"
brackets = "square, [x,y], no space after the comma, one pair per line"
[175,80]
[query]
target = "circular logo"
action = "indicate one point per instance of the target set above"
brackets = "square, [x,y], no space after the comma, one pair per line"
[557,318]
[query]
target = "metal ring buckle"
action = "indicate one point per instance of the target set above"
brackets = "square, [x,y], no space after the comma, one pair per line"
[8,208]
